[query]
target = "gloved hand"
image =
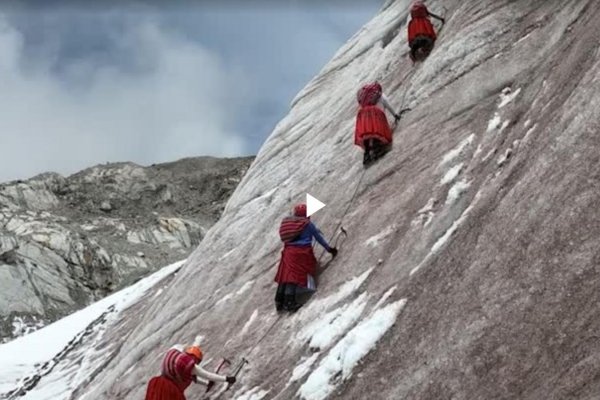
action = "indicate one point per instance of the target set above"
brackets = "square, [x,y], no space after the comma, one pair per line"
[231,380]
[333,251]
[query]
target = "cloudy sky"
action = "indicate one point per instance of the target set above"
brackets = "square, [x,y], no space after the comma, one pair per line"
[145,83]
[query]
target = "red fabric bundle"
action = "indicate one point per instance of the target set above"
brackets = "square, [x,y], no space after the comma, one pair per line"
[296,263]
[179,367]
[371,123]
[419,10]
[291,228]
[420,27]
[369,95]
[162,388]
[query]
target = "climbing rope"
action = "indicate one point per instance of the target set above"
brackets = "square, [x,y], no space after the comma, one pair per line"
[339,229]
[264,335]
[334,240]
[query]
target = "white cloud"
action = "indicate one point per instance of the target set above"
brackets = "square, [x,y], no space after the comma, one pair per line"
[181,104]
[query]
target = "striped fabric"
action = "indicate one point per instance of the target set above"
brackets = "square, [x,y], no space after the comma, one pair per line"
[291,228]
[179,368]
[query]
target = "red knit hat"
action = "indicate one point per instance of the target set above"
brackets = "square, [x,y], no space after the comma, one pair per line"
[300,210]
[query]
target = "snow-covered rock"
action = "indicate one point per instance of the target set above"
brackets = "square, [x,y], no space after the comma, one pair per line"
[65,242]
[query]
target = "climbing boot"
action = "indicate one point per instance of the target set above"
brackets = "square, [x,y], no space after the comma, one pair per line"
[290,303]
[367,157]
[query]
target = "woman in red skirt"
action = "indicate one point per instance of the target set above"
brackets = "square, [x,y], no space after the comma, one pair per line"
[421,35]
[298,265]
[372,131]
[181,368]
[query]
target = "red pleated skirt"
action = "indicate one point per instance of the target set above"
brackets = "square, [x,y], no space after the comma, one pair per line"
[161,388]
[371,123]
[420,27]
[297,262]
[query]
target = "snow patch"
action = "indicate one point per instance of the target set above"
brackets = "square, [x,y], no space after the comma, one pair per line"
[428,207]
[488,155]
[254,394]
[44,345]
[224,256]
[385,296]
[507,96]
[250,322]
[444,238]
[374,241]
[304,368]
[455,152]
[344,291]
[522,39]
[456,190]
[504,157]
[325,330]
[494,123]
[245,288]
[529,132]
[452,174]
[425,214]
[224,299]
[342,359]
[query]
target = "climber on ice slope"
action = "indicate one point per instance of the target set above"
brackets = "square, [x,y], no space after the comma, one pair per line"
[372,131]
[298,265]
[180,368]
[421,34]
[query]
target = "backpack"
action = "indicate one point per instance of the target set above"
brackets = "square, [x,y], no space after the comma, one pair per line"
[419,10]
[369,95]
[291,228]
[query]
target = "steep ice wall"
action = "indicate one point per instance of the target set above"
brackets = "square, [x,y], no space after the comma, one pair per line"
[471,265]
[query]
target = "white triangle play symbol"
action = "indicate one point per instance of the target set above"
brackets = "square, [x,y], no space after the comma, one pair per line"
[312,205]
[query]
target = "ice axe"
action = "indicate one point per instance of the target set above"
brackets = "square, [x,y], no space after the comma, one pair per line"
[342,231]
[398,116]
[224,362]
[237,370]
[337,238]
[402,112]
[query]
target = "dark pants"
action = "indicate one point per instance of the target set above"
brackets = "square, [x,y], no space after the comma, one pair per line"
[373,150]
[285,297]
[420,47]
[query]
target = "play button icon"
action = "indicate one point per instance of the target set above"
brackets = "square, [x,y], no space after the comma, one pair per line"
[312,205]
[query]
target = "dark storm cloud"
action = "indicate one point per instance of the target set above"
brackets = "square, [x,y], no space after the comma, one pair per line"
[148,84]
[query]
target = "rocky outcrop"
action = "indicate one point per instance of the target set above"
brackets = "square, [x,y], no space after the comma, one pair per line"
[65,242]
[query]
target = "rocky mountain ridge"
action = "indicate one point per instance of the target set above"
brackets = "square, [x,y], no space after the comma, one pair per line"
[68,241]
